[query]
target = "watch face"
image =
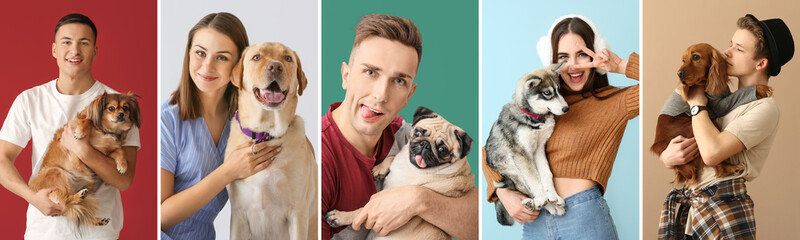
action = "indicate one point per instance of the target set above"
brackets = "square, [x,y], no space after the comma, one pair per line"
[694,110]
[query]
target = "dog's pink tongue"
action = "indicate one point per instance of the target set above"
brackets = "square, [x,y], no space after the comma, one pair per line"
[272,97]
[421,163]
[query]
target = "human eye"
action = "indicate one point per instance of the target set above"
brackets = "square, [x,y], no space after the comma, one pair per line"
[562,57]
[200,53]
[400,81]
[222,58]
[369,72]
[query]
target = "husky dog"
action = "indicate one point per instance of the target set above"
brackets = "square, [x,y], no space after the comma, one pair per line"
[516,144]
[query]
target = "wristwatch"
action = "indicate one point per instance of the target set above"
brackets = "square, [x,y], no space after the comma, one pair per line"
[696,109]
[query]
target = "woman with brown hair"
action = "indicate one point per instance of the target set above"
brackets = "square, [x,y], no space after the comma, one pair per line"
[195,125]
[584,144]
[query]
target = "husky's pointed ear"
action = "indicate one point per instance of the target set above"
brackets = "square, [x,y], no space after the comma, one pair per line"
[557,67]
[423,113]
[465,141]
[532,82]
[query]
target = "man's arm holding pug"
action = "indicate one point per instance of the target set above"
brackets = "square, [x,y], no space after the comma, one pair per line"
[391,208]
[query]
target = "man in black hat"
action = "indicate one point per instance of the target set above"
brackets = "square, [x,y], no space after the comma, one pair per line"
[719,207]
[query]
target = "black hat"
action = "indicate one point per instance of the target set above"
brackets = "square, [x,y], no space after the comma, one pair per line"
[779,40]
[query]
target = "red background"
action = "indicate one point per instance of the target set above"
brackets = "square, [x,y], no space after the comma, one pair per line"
[126,61]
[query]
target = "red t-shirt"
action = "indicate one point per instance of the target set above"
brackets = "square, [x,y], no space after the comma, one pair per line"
[347,180]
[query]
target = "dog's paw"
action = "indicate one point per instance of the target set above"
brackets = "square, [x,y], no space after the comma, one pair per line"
[555,209]
[334,219]
[379,173]
[122,169]
[103,221]
[83,193]
[533,203]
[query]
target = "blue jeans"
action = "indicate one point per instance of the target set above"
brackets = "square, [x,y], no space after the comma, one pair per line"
[587,217]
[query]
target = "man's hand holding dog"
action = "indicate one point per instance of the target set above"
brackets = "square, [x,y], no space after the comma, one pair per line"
[391,208]
[512,200]
[247,160]
[680,151]
[44,204]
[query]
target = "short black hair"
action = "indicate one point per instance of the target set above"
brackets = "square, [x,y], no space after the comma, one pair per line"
[77,18]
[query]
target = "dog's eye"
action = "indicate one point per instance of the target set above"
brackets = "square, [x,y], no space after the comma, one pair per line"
[256,57]
[111,109]
[125,108]
[547,93]
[695,57]
[288,58]
[417,133]
[443,151]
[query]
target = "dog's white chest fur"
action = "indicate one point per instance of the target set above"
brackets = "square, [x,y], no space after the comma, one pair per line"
[534,139]
[274,202]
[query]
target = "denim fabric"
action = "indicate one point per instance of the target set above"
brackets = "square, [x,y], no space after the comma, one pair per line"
[587,217]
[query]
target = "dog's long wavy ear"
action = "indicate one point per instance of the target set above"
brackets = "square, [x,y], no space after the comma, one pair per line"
[96,108]
[717,74]
[133,106]
[238,70]
[423,113]
[301,76]
[465,141]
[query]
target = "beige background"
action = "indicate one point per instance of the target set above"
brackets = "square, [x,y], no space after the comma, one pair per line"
[669,27]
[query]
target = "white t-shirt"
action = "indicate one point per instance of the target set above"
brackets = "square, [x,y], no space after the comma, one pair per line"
[37,114]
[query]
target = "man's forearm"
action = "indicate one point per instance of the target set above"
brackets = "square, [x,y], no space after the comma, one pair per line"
[458,217]
[11,180]
[714,146]
[106,168]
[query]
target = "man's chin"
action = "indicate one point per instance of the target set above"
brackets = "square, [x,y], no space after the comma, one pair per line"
[370,128]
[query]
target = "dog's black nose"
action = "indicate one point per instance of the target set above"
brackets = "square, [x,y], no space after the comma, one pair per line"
[565,109]
[680,73]
[120,116]
[275,67]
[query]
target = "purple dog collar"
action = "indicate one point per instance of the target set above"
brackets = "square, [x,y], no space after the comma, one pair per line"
[256,136]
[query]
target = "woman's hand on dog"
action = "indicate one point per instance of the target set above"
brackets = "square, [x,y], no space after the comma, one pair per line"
[512,200]
[605,59]
[43,203]
[680,151]
[243,163]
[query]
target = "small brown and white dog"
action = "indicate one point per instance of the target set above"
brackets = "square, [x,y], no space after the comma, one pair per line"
[702,65]
[279,202]
[435,157]
[106,122]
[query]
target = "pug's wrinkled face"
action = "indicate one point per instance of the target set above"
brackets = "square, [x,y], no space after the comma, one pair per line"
[435,141]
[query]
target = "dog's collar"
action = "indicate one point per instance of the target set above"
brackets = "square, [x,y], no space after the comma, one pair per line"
[118,136]
[533,115]
[255,136]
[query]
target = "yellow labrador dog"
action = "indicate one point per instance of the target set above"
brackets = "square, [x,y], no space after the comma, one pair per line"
[279,202]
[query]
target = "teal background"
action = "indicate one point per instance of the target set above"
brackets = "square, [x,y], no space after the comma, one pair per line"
[510,32]
[447,80]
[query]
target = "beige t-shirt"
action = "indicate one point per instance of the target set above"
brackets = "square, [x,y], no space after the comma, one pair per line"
[755,125]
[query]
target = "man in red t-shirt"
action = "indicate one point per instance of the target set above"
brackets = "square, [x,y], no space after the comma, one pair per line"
[358,133]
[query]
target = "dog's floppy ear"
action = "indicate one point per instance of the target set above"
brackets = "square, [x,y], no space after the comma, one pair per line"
[96,108]
[238,70]
[133,106]
[301,76]
[465,141]
[423,113]
[717,74]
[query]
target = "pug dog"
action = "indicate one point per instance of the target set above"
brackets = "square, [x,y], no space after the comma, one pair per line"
[434,156]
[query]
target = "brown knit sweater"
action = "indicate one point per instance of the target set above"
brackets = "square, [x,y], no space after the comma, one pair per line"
[585,141]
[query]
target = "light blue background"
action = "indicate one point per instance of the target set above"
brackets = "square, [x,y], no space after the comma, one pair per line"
[510,32]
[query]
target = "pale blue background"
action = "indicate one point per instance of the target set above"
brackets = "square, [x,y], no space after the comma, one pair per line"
[510,32]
